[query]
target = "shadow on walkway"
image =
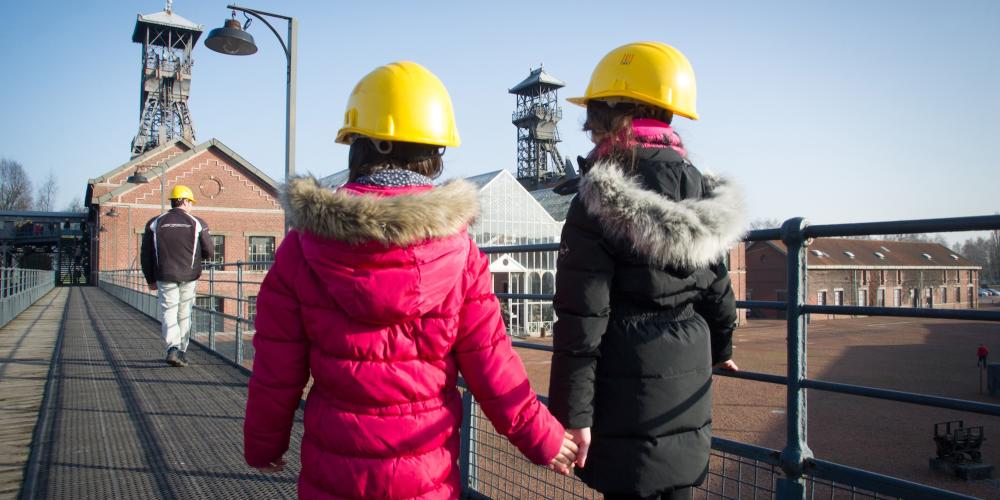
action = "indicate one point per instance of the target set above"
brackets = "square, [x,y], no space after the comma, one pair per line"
[120,423]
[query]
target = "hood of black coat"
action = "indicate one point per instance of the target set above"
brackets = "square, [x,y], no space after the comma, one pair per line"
[674,220]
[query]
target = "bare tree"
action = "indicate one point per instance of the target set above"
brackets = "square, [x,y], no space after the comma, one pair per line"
[15,186]
[916,237]
[47,193]
[993,244]
[75,205]
[768,223]
[984,251]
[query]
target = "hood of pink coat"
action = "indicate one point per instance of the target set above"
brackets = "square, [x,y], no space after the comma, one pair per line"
[384,254]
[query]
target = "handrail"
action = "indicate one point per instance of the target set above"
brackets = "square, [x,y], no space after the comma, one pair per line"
[20,288]
[797,460]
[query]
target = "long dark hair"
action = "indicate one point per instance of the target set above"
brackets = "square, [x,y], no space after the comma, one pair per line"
[613,125]
[368,156]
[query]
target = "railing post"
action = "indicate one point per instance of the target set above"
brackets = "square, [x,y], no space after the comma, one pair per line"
[239,312]
[467,447]
[211,307]
[796,451]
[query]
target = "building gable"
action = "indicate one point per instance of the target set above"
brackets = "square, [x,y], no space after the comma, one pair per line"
[115,178]
[216,175]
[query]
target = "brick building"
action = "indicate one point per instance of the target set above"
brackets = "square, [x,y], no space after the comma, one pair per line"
[865,273]
[238,202]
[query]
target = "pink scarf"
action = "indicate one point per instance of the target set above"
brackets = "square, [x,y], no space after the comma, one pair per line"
[648,133]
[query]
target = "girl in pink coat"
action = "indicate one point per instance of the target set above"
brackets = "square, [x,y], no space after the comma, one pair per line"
[380,294]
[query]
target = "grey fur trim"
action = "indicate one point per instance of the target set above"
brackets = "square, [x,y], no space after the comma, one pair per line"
[395,220]
[686,234]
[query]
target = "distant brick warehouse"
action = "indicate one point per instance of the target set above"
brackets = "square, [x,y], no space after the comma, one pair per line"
[865,273]
[238,202]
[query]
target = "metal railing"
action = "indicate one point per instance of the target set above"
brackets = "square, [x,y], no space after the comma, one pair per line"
[492,468]
[20,288]
[228,286]
[792,472]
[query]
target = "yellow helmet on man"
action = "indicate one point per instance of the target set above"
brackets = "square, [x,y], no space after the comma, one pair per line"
[653,73]
[401,101]
[180,192]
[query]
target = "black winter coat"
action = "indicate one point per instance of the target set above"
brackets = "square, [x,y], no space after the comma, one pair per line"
[645,308]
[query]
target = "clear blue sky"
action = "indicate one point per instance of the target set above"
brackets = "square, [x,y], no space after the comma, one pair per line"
[837,111]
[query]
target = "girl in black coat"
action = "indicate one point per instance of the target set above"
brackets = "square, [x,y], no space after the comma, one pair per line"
[643,297]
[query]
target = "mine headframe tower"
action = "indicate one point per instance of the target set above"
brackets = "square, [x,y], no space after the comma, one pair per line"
[167,40]
[536,118]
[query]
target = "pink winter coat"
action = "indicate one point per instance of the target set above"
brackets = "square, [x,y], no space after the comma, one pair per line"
[380,295]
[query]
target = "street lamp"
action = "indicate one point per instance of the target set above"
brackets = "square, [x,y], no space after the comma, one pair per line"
[137,178]
[233,39]
[113,214]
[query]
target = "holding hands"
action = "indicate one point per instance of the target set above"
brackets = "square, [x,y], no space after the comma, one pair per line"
[563,462]
[582,439]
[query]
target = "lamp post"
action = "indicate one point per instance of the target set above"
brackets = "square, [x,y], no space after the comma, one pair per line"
[137,178]
[233,39]
[113,214]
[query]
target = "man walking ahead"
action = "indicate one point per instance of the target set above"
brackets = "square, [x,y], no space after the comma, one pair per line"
[173,247]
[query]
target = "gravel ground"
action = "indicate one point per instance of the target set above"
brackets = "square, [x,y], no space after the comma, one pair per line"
[906,354]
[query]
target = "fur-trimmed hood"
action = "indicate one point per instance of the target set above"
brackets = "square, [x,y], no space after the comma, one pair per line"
[383,255]
[398,220]
[686,234]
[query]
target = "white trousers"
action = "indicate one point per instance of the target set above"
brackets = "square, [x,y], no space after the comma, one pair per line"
[175,301]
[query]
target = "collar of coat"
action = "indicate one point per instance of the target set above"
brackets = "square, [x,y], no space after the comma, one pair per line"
[686,234]
[400,220]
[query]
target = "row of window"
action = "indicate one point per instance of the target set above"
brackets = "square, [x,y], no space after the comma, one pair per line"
[930,296]
[947,275]
[259,249]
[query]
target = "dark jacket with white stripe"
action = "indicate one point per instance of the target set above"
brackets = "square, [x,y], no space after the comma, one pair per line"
[645,308]
[173,247]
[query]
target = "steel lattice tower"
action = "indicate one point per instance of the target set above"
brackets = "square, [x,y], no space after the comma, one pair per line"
[536,118]
[167,40]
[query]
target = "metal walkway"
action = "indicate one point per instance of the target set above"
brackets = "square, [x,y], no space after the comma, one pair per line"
[117,422]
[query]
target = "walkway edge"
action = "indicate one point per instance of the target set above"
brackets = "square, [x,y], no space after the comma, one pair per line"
[29,484]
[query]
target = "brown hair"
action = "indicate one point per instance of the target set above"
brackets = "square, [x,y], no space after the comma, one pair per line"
[367,157]
[613,124]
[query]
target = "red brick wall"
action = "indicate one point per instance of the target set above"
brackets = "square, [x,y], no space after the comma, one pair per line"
[738,277]
[766,276]
[243,207]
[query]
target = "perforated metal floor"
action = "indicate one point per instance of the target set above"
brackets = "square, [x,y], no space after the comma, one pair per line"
[120,423]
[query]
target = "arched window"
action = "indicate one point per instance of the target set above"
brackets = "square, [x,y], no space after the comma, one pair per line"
[534,283]
[548,282]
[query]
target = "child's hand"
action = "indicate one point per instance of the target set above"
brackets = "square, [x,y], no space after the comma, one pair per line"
[563,462]
[728,365]
[276,466]
[582,438]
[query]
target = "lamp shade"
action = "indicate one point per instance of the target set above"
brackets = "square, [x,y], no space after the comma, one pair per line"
[137,178]
[231,39]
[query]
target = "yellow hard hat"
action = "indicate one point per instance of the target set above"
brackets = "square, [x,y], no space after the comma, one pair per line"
[401,101]
[181,191]
[649,72]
